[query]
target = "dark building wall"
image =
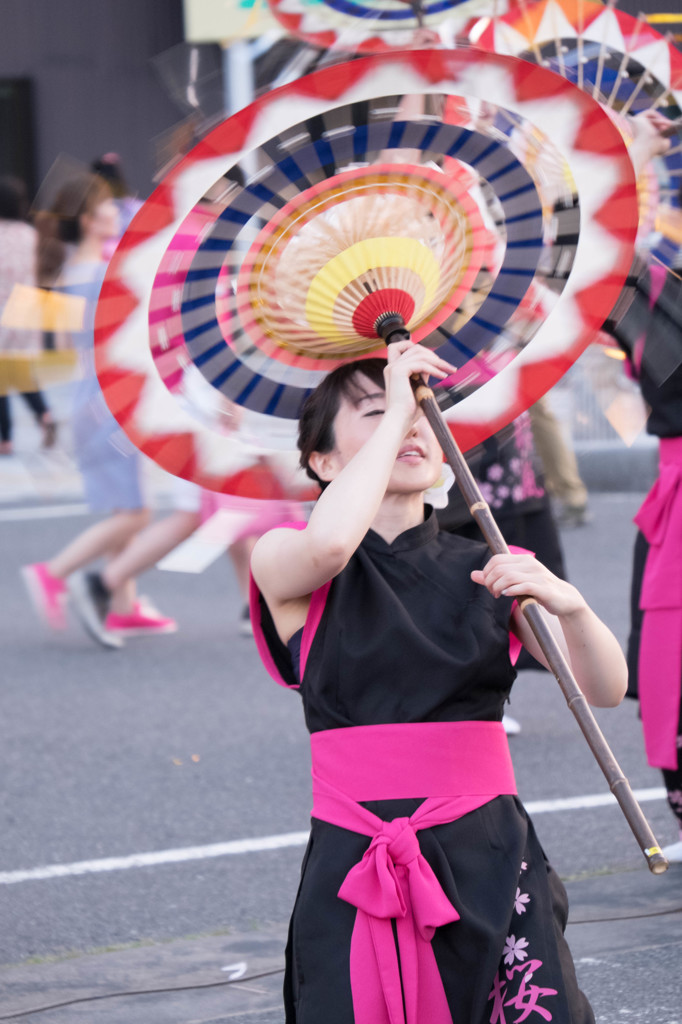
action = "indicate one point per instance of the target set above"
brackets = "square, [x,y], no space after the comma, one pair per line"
[92,83]
[93,86]
[634,7]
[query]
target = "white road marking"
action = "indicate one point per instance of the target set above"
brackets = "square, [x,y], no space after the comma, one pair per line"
[143,860]
[161,503]
[579,803]
[20,515]
[237,970]
[277,842]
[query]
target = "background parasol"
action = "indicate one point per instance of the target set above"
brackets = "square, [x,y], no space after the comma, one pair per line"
[375,26]
[623,62]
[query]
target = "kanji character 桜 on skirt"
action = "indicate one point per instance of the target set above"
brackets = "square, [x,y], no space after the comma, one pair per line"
[425,894]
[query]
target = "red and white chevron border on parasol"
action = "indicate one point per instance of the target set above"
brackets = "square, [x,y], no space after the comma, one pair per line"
[533,25]
[164,430]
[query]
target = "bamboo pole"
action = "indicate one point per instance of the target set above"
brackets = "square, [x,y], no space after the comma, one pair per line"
[392,328]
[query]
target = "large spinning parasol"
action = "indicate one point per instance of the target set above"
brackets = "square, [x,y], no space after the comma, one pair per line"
[204,270]
[335,212]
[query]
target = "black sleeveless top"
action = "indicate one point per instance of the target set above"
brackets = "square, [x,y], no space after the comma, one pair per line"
[405,636]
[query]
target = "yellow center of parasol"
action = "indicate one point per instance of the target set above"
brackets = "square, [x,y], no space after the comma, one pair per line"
[364,257]
[318,274]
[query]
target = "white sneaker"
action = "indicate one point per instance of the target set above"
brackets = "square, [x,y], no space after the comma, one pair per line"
[245,628]
[673,853]
[510,725]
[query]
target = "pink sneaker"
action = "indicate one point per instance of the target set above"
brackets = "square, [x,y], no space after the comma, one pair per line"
[47,594]
[143,621]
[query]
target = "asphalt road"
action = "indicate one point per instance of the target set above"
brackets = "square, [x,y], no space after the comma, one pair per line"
[183,741]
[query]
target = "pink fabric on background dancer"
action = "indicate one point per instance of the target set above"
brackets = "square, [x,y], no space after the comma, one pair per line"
[425,894]
[660,598]
[651,335]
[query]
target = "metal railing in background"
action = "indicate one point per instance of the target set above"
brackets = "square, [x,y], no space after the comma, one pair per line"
[598,403]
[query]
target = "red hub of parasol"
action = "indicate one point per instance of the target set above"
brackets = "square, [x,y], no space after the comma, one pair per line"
[376,304]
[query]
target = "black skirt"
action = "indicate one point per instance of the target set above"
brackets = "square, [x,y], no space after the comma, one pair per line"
[505,957]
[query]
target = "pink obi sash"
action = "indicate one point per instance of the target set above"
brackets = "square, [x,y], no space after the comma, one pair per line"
[458,767]
[660,652]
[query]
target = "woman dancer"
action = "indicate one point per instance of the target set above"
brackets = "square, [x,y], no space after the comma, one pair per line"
[425,894]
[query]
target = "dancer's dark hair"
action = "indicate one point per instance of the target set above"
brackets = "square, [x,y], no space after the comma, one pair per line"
[13,198]
[316,423]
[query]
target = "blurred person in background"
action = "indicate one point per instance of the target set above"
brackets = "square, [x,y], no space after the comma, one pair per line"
[93,592]
[18,266]
[562,475]
[73,236]
[109,167]
[194,508]
[650,334]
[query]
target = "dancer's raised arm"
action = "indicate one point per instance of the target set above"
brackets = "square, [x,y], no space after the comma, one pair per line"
[377,426]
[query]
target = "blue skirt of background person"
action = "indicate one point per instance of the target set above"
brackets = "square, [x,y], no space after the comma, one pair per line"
[109,464]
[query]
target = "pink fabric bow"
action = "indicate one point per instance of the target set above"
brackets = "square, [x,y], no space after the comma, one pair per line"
[660,653]
[394,881]
[393,875]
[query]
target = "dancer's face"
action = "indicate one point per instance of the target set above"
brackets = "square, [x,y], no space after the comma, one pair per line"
[419,460]
[103,222]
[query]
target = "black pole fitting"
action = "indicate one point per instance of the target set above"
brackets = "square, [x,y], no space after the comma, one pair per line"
[391,327]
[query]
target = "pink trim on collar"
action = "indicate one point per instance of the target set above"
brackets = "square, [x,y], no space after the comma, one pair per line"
[317,605]
[255,613]
[515,645]
[660,651]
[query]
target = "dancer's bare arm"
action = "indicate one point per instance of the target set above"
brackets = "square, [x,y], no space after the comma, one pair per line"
[288,564]
[590,647]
